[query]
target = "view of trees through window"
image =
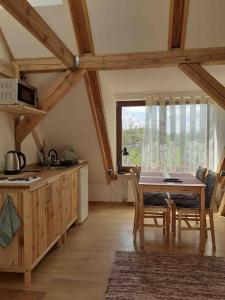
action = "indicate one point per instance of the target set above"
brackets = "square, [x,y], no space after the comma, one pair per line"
[133,118]
[177,139]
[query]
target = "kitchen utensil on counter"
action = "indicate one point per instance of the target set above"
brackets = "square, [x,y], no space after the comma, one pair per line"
[53,158]
[69,154]
[15,161]
[44,149]
[69,157]
[41,157]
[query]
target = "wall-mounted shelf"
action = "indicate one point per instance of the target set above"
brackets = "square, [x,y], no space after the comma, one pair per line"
[21,109]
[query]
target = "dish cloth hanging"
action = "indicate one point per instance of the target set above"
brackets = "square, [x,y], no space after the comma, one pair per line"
[9,222]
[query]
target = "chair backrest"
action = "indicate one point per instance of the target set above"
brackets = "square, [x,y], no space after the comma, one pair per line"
[137,171]
[201,173]
[211,184]
[135,186]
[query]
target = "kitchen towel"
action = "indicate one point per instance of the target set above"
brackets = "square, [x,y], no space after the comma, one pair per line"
[9,222]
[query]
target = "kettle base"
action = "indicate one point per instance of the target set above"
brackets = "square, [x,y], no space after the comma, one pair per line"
[13,172]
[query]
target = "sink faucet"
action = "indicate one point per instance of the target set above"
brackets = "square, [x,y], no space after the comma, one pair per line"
[52,155]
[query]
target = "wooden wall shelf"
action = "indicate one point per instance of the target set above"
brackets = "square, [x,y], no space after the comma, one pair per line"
[21,109]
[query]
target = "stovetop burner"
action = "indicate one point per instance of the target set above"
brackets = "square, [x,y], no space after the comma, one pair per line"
[19,179]
[30,179]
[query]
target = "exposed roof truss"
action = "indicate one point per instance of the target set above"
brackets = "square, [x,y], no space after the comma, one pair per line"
[188,60]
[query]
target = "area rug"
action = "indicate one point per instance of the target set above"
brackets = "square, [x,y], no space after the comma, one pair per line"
[137,276]
[11,294]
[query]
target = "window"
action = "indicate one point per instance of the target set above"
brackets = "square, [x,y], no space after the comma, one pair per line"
[179,133]
[130,129]
[176,134]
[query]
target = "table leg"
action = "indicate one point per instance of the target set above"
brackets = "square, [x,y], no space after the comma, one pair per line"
[141,217]
[202,221]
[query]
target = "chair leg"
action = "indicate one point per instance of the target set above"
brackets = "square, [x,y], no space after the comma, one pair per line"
[136,224]
[211,221]
[164,223]
[168,225]
[179,228]
[196,220]
[206,231]
[173,219]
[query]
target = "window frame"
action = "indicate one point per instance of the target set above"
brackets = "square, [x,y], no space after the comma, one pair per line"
[119,107]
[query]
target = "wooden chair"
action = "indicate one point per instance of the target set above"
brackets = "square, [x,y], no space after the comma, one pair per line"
[188,210]
[154,211]
[177,197]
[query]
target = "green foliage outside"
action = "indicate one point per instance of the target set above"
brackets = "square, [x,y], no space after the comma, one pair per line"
[132,140]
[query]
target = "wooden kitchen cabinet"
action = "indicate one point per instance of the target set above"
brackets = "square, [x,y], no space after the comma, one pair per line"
[54,207]
[47,210]
[38,199]
[75,197]
[70,199]
[46,220]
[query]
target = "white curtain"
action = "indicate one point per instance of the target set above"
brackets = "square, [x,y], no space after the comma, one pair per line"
[179,132]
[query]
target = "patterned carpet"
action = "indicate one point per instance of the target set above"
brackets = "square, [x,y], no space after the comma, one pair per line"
[163,276]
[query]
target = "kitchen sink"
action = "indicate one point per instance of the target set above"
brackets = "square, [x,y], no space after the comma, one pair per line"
[56,167]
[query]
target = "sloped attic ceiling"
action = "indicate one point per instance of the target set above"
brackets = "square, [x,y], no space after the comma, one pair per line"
[71,123]
[129,25]
[118,26]
[24,45]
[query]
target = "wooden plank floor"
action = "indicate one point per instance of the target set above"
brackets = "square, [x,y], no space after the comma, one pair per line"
[79,270]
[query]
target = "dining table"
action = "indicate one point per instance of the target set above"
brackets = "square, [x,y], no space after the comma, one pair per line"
[155,182]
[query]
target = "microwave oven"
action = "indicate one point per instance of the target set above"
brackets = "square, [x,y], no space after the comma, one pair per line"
[14,91]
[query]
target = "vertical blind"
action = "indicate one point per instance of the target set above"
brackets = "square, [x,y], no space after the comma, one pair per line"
[179,132]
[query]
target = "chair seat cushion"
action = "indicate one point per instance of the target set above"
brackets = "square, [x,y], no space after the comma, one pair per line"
[155,199]
[186,203]
[187,196]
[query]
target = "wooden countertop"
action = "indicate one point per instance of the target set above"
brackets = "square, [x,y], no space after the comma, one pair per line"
[46,175]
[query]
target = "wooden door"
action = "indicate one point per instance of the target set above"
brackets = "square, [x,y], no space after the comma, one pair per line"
[54,211]
[39,221]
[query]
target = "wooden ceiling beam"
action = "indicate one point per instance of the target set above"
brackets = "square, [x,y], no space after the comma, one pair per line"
[205,81]
[25,14]
[177,23]
[81,25]
[152,59]
[205,56]
[6,45]
[40,65]
[6,69]
[13,68]
[54,94]
[95,99]
[82,30]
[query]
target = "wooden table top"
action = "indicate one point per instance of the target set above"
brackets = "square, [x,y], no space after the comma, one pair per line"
[156,178]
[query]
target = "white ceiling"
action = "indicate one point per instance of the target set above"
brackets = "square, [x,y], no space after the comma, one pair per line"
[120,26]
[206,24]
[129,25]
[45,2]
[24,45]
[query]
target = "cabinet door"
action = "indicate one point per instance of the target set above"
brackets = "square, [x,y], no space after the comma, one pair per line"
[75,195]
[65,202]
[54,211]
[69,199]
[39,221]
